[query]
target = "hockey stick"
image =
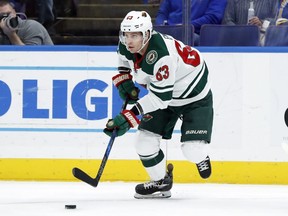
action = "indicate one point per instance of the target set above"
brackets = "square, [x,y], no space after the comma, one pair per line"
[83,176]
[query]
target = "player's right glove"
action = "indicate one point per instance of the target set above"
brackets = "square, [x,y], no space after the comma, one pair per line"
[126,87]
[122,123]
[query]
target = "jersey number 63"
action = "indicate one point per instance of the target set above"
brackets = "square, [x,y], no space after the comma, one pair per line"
[188,55]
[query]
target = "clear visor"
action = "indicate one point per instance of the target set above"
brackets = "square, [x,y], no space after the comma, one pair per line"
[134,36]
[122,37]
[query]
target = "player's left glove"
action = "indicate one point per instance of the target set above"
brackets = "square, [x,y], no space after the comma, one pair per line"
[126,87]
[122,123]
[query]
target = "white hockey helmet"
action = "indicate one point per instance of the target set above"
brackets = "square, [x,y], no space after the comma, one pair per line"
[136,21]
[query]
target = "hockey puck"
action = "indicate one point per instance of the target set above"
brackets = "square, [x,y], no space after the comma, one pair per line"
[70,206]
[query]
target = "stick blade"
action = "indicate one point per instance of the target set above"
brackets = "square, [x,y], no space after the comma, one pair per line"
[81,175]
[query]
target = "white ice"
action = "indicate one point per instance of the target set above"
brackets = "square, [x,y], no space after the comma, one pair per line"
[116,199]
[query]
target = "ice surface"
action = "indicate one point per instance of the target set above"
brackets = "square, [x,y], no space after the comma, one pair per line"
[116,199]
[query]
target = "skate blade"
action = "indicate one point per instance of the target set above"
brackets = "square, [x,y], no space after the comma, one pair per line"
[156,195]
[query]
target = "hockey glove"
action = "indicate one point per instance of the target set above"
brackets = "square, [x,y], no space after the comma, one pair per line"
[122,123]
[126,87]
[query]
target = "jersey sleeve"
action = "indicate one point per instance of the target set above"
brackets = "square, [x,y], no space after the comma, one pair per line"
[123,64]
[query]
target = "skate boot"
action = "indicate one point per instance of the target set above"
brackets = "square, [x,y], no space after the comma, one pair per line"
[204,168]
[156,189]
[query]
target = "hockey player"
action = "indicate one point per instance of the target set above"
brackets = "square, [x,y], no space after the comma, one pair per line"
[176,77]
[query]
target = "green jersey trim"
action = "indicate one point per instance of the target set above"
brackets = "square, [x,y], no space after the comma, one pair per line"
[155,51]
[164,93]
[164,96]
[199,86]
[123,51]
[147,161]
[161,88]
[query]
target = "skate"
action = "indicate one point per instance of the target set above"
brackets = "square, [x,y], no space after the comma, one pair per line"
[156,189]
[204,168]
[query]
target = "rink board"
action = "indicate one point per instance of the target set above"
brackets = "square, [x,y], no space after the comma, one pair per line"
[132,170]
[56,100]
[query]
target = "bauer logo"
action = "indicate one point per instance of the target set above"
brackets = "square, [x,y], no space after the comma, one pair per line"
[196,132]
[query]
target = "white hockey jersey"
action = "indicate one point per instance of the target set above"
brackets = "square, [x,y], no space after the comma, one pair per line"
[173,73]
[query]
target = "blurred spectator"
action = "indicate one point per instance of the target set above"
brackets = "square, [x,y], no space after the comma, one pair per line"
[202,12]
[16,31]
[45,13]
[66,8]
[151,1]
[278,36]
[236,12]
[19,5]
[282,13]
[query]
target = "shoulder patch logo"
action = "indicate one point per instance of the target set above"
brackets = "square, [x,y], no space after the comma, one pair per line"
[151,57]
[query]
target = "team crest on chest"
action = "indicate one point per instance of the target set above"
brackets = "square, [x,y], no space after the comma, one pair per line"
[151,57]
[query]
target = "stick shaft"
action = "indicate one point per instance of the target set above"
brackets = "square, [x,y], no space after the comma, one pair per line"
[83,176]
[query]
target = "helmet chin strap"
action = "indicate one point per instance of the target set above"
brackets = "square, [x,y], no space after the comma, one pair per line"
[144,43]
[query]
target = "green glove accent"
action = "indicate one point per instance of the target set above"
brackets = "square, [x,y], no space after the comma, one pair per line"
[119,123]
[122,123]
[128,88]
